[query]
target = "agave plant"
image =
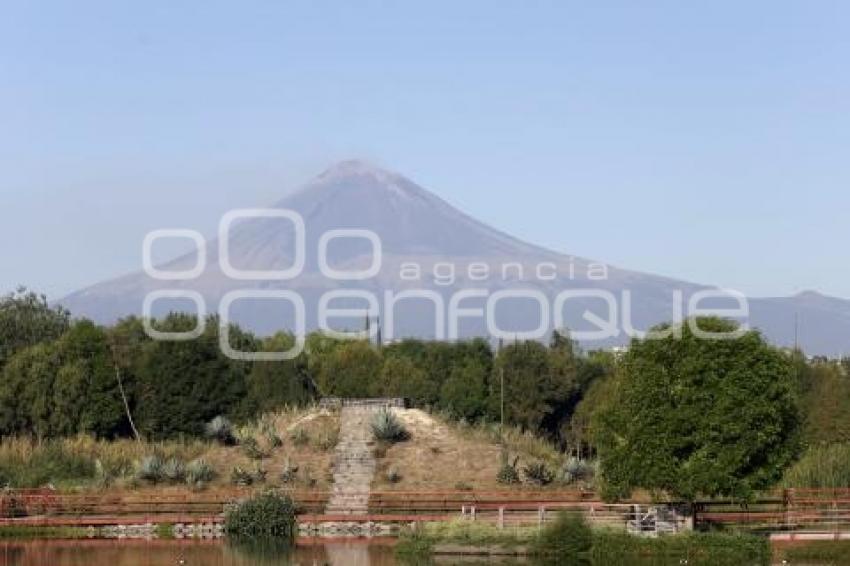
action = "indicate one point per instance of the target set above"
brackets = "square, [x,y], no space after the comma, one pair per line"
[174,470]
[199,472]
[575,470]
[220,429]
[387,428]
[150,468]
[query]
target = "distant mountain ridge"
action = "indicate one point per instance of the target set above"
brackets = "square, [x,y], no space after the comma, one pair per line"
[417,227]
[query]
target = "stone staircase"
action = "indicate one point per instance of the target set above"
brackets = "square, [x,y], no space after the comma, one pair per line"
[354,462]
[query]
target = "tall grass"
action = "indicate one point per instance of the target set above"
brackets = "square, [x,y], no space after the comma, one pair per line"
[821,467]
[714,549]
[461,531]
[81,460]
[526,444]
[834,553]
[85,462]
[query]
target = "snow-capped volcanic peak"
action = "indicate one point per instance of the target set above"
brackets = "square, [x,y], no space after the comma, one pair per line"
[357,171]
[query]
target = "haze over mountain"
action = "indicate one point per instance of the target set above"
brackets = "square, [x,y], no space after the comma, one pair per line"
[453,252]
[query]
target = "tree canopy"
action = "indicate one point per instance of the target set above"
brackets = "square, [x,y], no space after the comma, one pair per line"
[699,417]
[26,319]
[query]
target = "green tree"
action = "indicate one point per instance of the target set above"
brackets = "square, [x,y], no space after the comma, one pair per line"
[826,404]
[26,391]
[85,393]
[26,319]
[401,377]
[596,376]
[464,393]
[183,385]
[272,385]
[535,389]
[351,370]
[319,348]
[437,361]
[700,417]
[62,388]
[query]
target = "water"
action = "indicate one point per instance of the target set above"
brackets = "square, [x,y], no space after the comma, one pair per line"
[103,552]
[186,553]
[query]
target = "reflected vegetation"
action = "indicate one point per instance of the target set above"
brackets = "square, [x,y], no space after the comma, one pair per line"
[377,553]
[187,553]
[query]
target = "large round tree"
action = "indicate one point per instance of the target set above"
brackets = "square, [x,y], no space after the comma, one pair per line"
[692,416]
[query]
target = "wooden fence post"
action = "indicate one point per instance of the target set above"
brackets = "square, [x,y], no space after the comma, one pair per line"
[501,518]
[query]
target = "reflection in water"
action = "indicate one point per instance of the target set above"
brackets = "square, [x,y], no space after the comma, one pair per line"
[375,552]
[186,553]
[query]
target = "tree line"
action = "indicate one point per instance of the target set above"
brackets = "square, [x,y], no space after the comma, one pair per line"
[62,377]
[681,415]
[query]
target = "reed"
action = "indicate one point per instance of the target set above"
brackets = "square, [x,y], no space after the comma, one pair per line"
[821,467]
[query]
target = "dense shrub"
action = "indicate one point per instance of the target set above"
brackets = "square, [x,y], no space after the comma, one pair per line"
[264,516]
[567,537]
[538,473]
[508,473]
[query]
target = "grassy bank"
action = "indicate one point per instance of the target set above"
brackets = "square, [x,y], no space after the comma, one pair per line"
[696,548]
[269,451]
[571,539]
[421,542]
[41,532]
[835,553]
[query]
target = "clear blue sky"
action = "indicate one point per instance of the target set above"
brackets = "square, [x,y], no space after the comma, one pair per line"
[708,142]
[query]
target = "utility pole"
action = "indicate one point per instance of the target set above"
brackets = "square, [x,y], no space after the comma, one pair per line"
[368,328]
[502,401]
[796,331]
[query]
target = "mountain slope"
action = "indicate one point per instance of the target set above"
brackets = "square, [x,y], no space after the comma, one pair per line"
[451,250]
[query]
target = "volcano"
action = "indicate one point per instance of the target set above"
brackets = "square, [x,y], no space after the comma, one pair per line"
[431,248]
